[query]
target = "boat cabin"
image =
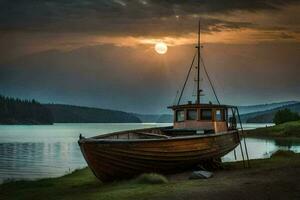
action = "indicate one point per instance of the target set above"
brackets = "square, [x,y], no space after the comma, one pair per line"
[206,118]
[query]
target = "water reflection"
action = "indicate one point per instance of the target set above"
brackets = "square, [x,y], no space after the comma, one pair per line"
[287,143]
[262,148]
[31,152]
[35,160]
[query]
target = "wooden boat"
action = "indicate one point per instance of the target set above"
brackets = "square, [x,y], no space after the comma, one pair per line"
[200,132]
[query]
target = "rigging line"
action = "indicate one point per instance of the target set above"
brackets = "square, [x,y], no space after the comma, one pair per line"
[187,77]
[210,82]
[175,97]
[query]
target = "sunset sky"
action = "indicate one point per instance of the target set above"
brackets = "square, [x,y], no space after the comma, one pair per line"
[101,53]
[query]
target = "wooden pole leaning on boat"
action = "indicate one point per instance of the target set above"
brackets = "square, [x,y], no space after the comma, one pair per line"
[243,135]
[240,144]
[234,153]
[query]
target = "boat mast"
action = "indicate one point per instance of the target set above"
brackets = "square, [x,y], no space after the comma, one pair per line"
[198,67]
[198,71]
[200,60]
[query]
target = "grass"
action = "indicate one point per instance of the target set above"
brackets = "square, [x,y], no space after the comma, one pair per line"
[281,153]
[82,184]
[286,130]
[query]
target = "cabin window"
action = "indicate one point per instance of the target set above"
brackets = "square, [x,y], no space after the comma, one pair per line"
[219,115]
[206,114]
[180,115]
[191,114]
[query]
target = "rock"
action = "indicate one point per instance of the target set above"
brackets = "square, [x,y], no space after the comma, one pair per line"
[201,175]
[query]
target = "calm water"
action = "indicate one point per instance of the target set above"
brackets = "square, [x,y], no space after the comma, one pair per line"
[32,152]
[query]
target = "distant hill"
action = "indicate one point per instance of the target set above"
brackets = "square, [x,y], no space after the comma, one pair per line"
[268,115]
[245,111]
[263,107]
[80,114]
[17,111]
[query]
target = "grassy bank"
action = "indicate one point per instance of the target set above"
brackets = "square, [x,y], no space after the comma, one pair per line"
[288,130]
[264,178]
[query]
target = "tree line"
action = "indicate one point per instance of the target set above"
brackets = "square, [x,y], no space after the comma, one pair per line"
[17,111]
[285,115]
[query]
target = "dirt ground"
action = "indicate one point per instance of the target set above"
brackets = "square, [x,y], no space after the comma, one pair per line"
[279,179]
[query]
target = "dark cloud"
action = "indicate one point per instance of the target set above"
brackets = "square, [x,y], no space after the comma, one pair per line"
[286,36]
[123,16]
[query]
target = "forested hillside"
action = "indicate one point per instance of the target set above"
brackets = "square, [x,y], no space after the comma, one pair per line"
[267,116]
[17,111]
[264,107]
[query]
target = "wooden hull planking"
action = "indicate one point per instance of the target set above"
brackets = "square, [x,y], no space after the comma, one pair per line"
[112,159]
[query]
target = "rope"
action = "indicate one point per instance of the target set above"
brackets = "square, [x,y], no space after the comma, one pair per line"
[187,77]
[175,97]
[210,82]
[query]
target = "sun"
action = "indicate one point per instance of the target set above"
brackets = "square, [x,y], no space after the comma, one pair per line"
[161,48]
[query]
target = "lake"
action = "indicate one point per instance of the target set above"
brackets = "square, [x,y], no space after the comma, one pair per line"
[39,151]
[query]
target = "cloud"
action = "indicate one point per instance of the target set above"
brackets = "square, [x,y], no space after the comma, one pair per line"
[86,52]
[124,16]
[31,26]
[286,36]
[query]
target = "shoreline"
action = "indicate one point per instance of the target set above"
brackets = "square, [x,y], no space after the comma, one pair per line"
[232,182]
[288,130]
[271,178]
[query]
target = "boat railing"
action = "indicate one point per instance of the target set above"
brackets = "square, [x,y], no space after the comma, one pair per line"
[153,135]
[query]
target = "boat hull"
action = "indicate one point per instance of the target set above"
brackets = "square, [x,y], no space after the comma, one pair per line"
[112,159]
